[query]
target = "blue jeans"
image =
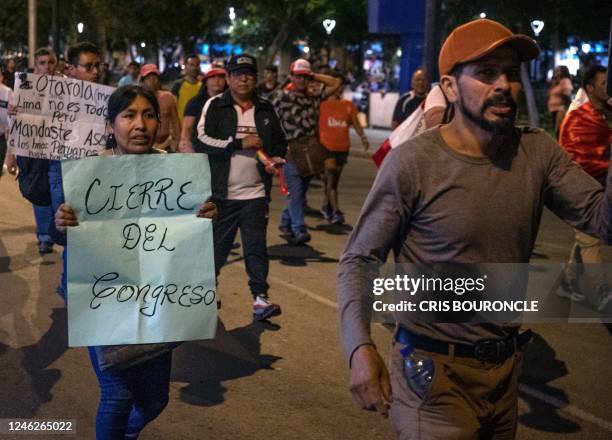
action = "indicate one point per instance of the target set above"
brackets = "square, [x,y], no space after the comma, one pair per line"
[131,398]
[57,198]
[293,215]
[44,218]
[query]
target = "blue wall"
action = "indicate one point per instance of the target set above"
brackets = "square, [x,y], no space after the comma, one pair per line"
[405,18]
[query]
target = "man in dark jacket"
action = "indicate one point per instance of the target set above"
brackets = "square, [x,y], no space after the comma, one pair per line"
[243,139]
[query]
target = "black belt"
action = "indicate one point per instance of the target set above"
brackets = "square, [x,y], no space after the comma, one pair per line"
[487,350]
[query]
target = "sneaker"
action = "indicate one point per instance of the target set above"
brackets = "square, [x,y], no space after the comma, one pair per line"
[337,218]
[301,238]
[264,309]
[566,291]
[326,212]
[45,247]
[605,298]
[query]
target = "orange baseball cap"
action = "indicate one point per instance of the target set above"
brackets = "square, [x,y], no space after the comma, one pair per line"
[478,38]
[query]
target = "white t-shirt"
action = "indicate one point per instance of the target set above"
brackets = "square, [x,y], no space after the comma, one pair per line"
[244,181]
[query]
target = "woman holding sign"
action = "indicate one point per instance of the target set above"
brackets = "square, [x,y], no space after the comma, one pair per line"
[130,397]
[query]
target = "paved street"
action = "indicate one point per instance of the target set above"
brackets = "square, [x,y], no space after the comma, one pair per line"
[260,381]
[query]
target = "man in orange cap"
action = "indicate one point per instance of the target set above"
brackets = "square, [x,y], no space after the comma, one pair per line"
[467,192]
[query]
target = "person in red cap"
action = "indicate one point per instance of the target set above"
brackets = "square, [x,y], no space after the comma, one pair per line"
[298,109]
[169,130]
[467,192]
[215,82]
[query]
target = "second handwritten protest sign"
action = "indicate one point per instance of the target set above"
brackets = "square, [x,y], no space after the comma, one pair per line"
[58,118]
[140,263]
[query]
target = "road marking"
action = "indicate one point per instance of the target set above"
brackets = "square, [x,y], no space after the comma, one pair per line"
[306,292]
[564,407]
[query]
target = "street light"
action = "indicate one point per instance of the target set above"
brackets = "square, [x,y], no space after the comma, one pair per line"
[232,14]
[483,15]
[143,45]
[537,26]
[329,25]
[80,27]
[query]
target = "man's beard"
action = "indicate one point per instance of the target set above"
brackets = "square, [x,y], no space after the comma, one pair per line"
[504,126]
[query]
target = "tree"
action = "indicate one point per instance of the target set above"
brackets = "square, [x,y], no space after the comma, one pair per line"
[14,29]
[157,22]
[585,19]
[276,25]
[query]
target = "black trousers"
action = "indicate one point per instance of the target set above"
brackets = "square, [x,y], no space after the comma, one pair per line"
[251,217]
[2,151]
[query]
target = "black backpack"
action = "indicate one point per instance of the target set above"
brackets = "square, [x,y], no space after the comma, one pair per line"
[34,180]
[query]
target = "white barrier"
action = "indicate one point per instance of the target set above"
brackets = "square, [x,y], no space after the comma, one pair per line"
[381,109]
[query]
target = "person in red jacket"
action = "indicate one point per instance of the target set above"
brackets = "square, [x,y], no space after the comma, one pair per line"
[585,133]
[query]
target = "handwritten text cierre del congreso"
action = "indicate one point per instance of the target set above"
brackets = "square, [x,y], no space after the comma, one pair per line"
[151,297]
[151,194]
[141,266]
[162,195]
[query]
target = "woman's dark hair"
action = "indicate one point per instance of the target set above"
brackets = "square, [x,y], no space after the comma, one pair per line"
[121,99]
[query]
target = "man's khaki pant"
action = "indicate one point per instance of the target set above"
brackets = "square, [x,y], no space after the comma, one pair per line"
[586,250]
[466,399]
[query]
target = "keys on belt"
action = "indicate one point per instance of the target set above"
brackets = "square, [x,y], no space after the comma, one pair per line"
[488,350]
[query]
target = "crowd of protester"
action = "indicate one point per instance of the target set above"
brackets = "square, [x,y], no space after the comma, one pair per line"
[245,152]
[255,129]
